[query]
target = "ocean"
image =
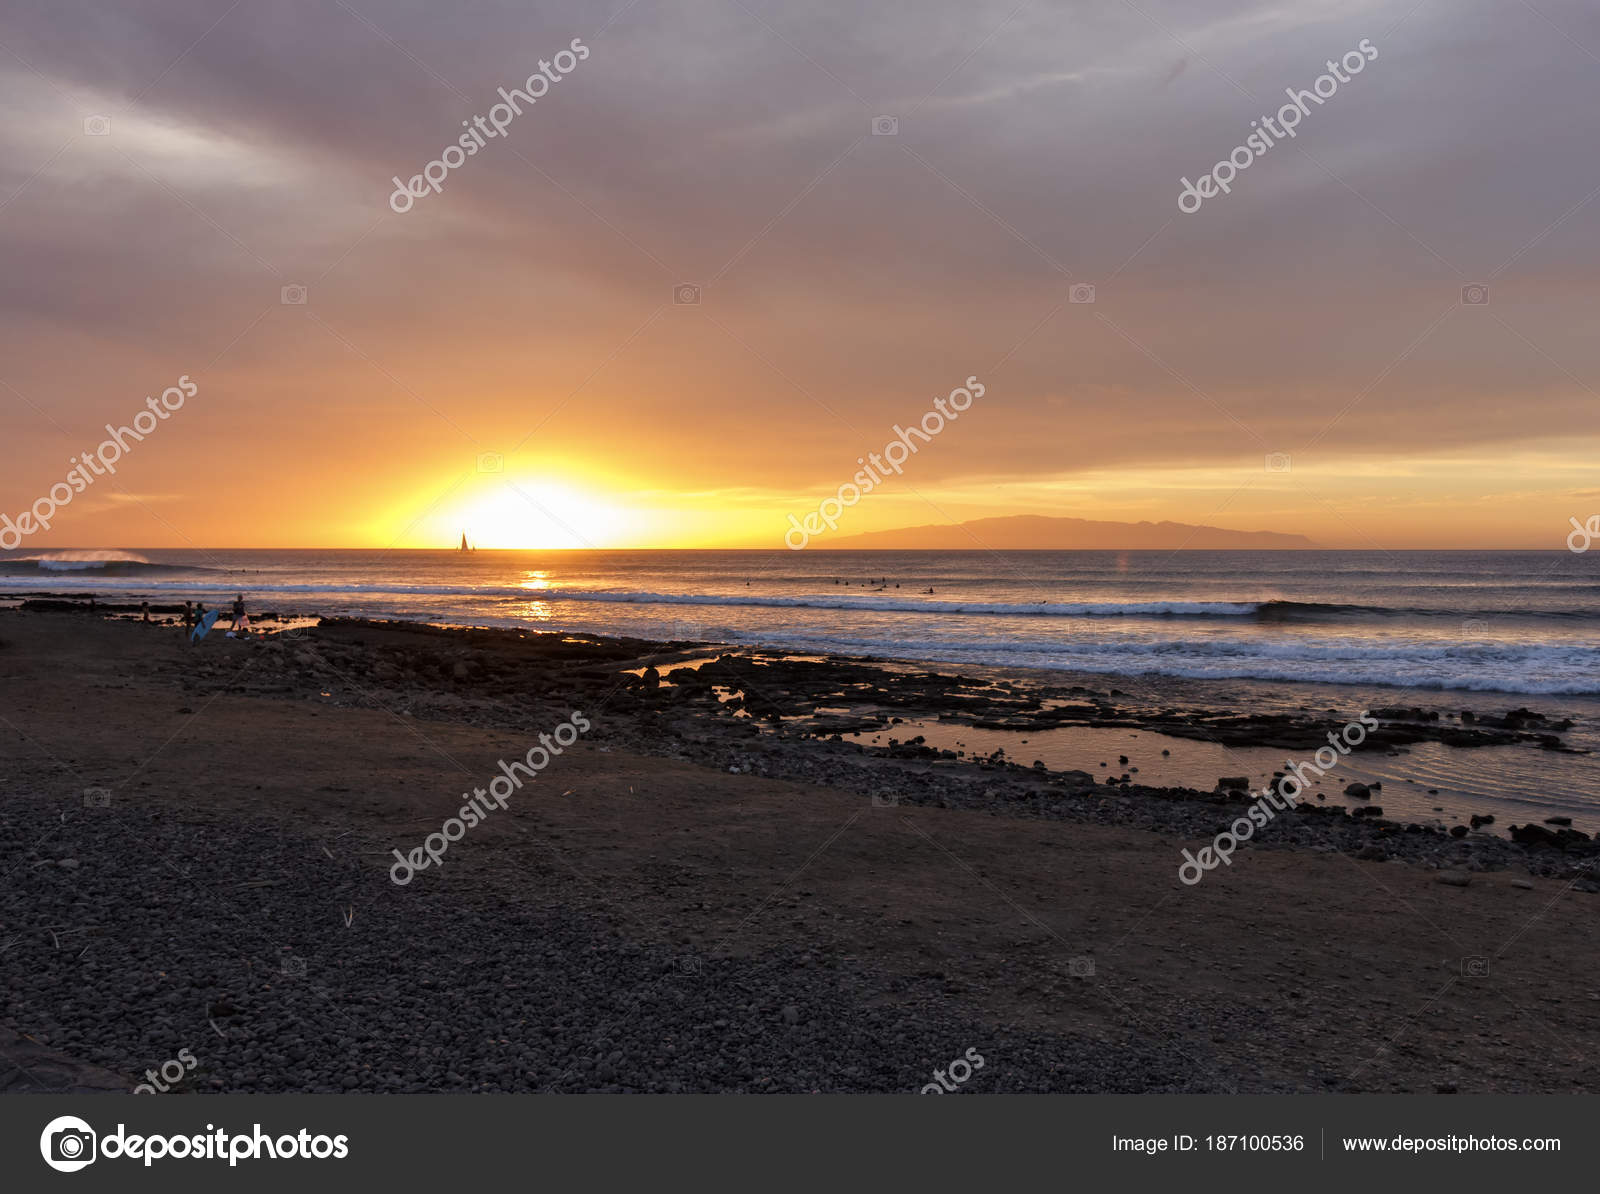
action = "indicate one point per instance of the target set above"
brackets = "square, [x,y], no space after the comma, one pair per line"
[1477,621]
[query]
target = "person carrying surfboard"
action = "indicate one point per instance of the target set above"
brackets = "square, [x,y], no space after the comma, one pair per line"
[241,620]
[204,623]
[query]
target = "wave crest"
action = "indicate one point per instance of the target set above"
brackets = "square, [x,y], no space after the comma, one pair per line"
[78,561]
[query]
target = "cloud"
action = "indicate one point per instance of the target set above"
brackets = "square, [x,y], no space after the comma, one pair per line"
[729,146]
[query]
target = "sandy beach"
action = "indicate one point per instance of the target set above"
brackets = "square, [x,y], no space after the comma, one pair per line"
[683,901]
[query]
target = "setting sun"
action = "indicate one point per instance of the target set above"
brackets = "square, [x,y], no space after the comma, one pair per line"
[517,512]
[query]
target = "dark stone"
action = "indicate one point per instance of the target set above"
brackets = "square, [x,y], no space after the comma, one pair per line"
[1534,835]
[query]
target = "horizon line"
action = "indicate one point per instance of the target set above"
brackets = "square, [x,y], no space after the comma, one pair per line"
[19,554]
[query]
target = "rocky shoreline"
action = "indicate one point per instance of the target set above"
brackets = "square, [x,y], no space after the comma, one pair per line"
[786,716]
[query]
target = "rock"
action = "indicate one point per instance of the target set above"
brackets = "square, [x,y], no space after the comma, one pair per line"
[1228,782]
[68,864]
[1453,878]
[1558,820]
[1484,820]
[1458,831]
[1359,791]
[1522,884]
[461,671]
[790,1014]
[1372,853]
[1533,835]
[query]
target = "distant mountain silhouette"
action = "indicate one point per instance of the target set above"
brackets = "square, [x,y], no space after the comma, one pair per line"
[1041,532]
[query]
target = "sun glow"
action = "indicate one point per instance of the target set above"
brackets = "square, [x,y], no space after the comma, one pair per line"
[519,513]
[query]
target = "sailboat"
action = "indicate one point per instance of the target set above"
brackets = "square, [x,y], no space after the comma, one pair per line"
[464,546]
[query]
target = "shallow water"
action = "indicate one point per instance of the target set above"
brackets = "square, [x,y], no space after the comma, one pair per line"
[1514,784]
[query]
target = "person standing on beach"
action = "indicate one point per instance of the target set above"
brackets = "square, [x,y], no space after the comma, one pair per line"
[241,620]
[188,618]
[144,612]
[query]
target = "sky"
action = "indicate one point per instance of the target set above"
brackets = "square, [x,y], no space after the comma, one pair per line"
[733,250]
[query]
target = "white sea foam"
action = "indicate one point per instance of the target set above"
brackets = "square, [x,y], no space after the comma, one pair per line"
[77,561]
[1232,609]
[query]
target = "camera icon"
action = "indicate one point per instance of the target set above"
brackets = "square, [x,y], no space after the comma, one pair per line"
[1475,967]
[1475,295]
[1277,462]
[885,801]
[491,462]
[1583,534]
[686,294]
[97,798]
[1081,967]
[97,126]
[67,1144]
[885,126]
[1081,292]
[292,296]
[688,967]
[293,967]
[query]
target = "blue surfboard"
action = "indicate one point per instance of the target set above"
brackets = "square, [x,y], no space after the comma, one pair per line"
[206,623]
